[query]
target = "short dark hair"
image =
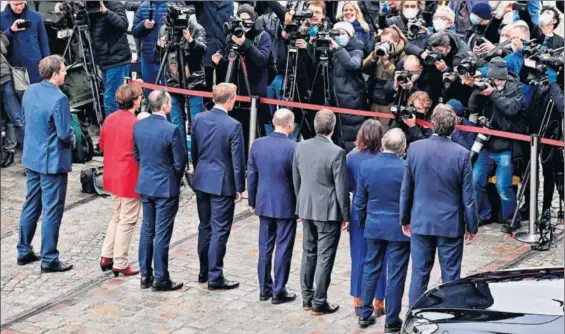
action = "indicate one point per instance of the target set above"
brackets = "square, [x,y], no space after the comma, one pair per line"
[369,136]
[555,15]
[444,120]
[50,65]
[439,39]
[126,95]
[157,99]
[324,122]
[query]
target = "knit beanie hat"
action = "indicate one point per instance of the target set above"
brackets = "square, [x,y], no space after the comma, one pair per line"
[346,26]
[497,69]
[246,8]
[482,10]
[457,106]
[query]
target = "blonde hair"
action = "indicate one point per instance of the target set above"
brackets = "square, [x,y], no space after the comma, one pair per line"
[420,96]
[447,11]
[224,92]
[358,14]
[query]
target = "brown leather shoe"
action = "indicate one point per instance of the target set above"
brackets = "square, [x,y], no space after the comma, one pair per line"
[379,306]
[106,263]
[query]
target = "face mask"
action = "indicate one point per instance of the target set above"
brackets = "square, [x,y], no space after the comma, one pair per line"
[410,13]
[351,20]
[500,88]
[439,25]
[415,77]
[545,19]
[342,40]
[475,19]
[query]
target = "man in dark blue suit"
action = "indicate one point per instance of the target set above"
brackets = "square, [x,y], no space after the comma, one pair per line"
[437,204]
[271,196]
[159,151]
[47,159]
[219,181]
[379,213]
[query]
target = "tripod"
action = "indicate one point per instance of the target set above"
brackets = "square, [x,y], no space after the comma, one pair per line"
[81,34]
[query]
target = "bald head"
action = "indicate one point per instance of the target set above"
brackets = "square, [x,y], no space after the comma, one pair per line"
[160,101]
[394,141]
[411,63]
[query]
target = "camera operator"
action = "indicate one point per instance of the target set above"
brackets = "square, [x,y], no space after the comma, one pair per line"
[410,10]
[421,103]
[484,26]
[26,32]
[380,66]
[500,101]
[348,83]
[147,29]
[108,30]
[193,49]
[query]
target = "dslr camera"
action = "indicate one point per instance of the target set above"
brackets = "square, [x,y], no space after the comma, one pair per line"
[237,27]
[177,16]
[482,84]
[468,65]
[383,49]
[449,78]
[403,77]
[481,139]
[432,57]
[415,25]
[401,112]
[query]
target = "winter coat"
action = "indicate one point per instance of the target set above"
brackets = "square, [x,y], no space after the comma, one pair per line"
[212,15]
[504,110]
[193,56]
[109,36]
[363,36]
[271,24]
[27,47]
[459,50]
[348,88]
[5,68]
[149,36]
[464,138]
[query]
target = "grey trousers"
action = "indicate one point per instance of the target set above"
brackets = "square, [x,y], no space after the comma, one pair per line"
[319,243]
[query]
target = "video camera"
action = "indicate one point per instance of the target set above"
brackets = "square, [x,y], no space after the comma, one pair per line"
[481,139]
[177,16]
[292,28]
[401,112]
[237,27]
[383,49]
[538,60]
[324,37]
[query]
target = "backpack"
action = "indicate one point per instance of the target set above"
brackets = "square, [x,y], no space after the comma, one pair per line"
[84,149]
[92,181]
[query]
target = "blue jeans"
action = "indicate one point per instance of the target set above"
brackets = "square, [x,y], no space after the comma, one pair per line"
[149,72]
[504,171]
[274,91]
[156,230]
[46,194]
[13,110]
[534,8]
[177,115]
[113,79]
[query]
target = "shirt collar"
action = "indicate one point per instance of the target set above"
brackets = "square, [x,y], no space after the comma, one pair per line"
[220,108]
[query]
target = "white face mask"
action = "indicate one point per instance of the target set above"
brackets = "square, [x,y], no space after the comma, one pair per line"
[350,20]
[410,13]
[545,19]
[439,25]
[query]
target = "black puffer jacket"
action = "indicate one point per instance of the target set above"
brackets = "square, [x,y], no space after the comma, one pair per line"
[109,36]
[348,88]
[504,110]
[5,74]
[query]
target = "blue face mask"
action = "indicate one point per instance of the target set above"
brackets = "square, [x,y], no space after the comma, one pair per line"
[475,19]
[342,40]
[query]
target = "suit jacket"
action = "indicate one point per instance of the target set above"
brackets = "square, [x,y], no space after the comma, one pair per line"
[159,151]
[354,161]
[116,140]
[438,196]
[49,138]
[320,180]
[377,197]
[269,176]
[218,154]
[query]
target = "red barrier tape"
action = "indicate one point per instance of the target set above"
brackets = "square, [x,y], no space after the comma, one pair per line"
[308,106]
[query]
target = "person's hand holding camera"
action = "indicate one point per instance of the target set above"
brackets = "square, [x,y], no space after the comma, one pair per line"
[284,35]
[441,66]
[407,86]
[238,40]
[517,45]
[187,35]
[15,28]
[487,46]
[149,24]
[410,122]
[333,44]
[301,44]
[487,91]
[216,57]
[467,79]
[384,60]
[103,9]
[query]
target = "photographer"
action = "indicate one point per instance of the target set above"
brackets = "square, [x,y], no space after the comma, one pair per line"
[348,83]
[421,103]
[410,10]
[147,29]
[108,29]
[444,20]
[484,25]
[380,66]
[193,48]
[500,101]
[413,78]
[544,32]
[26,32]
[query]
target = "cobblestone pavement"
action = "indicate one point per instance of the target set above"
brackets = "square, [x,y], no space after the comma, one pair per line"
[85,300]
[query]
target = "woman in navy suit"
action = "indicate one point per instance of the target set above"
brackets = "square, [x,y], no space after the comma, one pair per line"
[368,145]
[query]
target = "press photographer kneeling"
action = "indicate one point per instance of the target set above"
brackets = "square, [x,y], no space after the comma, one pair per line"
[405,118]
[499,99]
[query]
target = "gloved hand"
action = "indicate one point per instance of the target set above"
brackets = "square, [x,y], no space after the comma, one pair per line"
[551,76]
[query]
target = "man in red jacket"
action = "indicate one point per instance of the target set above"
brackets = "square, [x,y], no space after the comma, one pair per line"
[120,179]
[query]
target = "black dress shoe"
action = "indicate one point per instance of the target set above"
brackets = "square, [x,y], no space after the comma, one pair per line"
[483,222]
[324,309]
[202,278]
[59,267]
[146,282]
[307,306]
[8,159]
[28,258]
[167,285]
[366,322]
[283,298]
[393,328]
[265,296]
[509,229]
[224,285]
